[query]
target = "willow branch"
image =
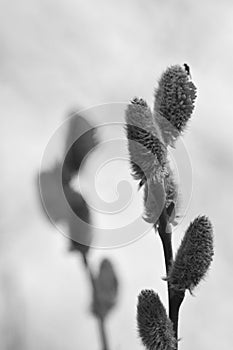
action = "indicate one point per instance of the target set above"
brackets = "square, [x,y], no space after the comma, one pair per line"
[175,298]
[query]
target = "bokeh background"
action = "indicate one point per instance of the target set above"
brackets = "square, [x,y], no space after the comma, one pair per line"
[56,56]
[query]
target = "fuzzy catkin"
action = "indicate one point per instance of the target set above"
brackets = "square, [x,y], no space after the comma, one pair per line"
[148,155]
[174,102]
[154,327]
[194,255]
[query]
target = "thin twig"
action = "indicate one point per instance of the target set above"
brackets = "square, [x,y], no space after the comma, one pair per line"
[103,334]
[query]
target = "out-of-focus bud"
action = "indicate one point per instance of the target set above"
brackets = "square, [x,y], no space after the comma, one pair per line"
[80,141]
[55,183]
[194,255]
[105,290]
[73,210]
[154,327]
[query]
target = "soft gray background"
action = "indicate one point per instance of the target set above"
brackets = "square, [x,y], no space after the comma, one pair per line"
[56,55]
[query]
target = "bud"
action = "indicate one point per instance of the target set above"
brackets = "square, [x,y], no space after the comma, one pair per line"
[148,155]
[73,211]
[80,141]
[105,290]
[194,255]
[154,327]
[174,102]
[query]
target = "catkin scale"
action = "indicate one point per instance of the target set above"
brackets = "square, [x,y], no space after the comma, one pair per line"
[154,200]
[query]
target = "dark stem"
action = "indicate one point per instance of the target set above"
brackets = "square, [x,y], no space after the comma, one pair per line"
[175,298]
[88,270]
[165,233]
[175,301]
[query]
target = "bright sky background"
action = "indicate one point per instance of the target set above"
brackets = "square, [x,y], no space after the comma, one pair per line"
[59,55]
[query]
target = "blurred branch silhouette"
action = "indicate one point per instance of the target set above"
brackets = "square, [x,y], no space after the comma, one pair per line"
[80,140]
[150,134]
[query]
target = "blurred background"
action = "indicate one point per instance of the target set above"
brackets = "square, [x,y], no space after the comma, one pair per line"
[60,56]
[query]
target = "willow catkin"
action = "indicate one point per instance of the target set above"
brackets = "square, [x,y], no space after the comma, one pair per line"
[194,255]
[154,327]
[174,102]
[148,155]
